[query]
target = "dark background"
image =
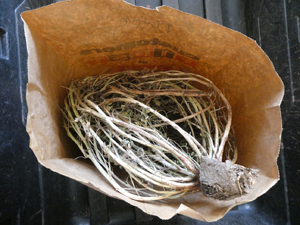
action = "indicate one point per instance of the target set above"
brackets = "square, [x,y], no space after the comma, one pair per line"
[32,194]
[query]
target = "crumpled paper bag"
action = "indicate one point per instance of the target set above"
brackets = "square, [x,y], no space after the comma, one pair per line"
[79,38]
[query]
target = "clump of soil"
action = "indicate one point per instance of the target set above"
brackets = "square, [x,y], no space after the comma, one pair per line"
[225,180]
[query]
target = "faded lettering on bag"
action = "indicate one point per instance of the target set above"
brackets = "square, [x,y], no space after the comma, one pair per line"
[158,52]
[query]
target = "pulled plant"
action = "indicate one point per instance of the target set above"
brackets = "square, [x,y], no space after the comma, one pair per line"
[169,131]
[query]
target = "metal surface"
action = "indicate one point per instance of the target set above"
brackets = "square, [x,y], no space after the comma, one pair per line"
[32,194]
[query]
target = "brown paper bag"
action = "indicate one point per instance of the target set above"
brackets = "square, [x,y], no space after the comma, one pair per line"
[69,40]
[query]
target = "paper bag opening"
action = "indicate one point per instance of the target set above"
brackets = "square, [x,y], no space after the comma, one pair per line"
[70,40]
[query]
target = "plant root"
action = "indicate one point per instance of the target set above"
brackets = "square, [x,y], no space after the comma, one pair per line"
[225,180]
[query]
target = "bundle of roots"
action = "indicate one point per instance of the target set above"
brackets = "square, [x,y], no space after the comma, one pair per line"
[157,135]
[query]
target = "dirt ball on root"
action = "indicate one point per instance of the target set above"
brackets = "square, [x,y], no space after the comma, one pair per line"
[225,180]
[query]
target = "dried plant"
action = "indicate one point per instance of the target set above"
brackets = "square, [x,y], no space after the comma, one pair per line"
[163,128]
